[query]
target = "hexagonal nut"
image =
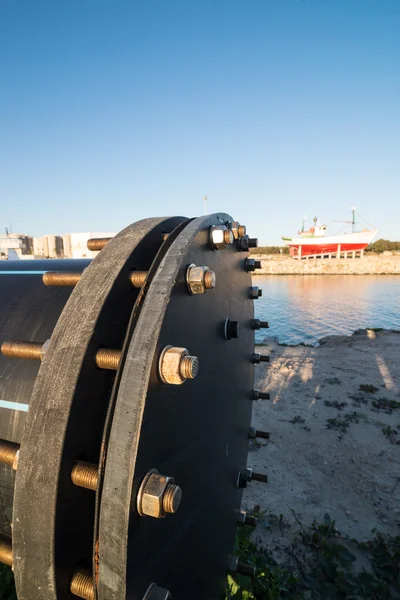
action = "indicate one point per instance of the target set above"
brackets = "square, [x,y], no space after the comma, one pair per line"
[176,365]
[156,593]
[199,279]
[158,495]
[220,237]
[237,229]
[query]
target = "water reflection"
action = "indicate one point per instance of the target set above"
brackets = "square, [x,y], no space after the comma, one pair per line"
[306,308]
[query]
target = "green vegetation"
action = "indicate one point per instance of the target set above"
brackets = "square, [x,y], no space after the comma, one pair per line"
[342,425]
[386,404]
[367,387]
[7,587]
[320,564]
[335,404]
[383,246]
[265,250]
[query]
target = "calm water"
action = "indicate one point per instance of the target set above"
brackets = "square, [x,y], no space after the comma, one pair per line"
[306,308]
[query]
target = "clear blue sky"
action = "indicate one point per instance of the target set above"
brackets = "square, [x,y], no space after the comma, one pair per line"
[117,110]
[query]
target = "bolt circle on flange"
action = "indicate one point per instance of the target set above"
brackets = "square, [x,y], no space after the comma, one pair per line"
[158,495]
[199,279]
[175,365]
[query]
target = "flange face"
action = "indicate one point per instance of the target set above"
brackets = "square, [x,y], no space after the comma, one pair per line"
[52,518]
[196,432]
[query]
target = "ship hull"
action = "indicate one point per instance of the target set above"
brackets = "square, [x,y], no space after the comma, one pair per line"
[314,246]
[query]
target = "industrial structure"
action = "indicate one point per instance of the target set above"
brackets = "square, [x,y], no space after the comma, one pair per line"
[126,392]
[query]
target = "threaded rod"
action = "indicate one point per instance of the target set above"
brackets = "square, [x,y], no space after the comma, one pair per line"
[30,350]
[189,367]
[6,551]
[107,358]
[61,278]
[96,244]
[9,453]
[82,584]
[84,474]
[138,278]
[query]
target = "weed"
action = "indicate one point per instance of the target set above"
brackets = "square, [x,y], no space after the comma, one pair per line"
[386,404]
[335,404]
[342,425]
[390,433]
[319,565]
[368,388]
[297,420]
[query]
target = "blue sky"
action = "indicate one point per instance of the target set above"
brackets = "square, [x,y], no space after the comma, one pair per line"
[112,111]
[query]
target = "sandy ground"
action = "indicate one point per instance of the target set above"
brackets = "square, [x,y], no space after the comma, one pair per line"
[353,475]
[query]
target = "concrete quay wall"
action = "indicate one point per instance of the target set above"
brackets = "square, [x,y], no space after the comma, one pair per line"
[368,265]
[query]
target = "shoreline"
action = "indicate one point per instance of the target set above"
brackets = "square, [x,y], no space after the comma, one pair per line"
[368,265]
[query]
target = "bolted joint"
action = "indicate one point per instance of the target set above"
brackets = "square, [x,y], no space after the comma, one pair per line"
[255,292]
[231,329]
[257,324]
[245,243]
[259,477]
[257,433]
[220,237]
[158,495]
[251,265]
[243,478]
[258,358]
[237,229]
[235,566]
[175,365]
[199,279]
[257,395]
[156,593]
[246,519]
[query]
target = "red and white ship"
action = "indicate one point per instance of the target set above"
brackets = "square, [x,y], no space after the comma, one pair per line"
[314,242]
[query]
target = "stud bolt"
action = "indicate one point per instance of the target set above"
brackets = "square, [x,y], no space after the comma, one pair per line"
[231,329]
[199,279]
[257,395]
[257,433]
[176,365]
[82,584]
[255,292]
[258,358]
[237,229]
[220,237]
[257,324]
[96,244]
[158,495]
[246,519]
[156,593]
[251,265]
[235,566]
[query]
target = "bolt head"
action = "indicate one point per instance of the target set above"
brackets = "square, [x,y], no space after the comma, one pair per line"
[151,495]
[156,593]
[231,329]
[255,292]
[175,365]
[199,279]
[220,236]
